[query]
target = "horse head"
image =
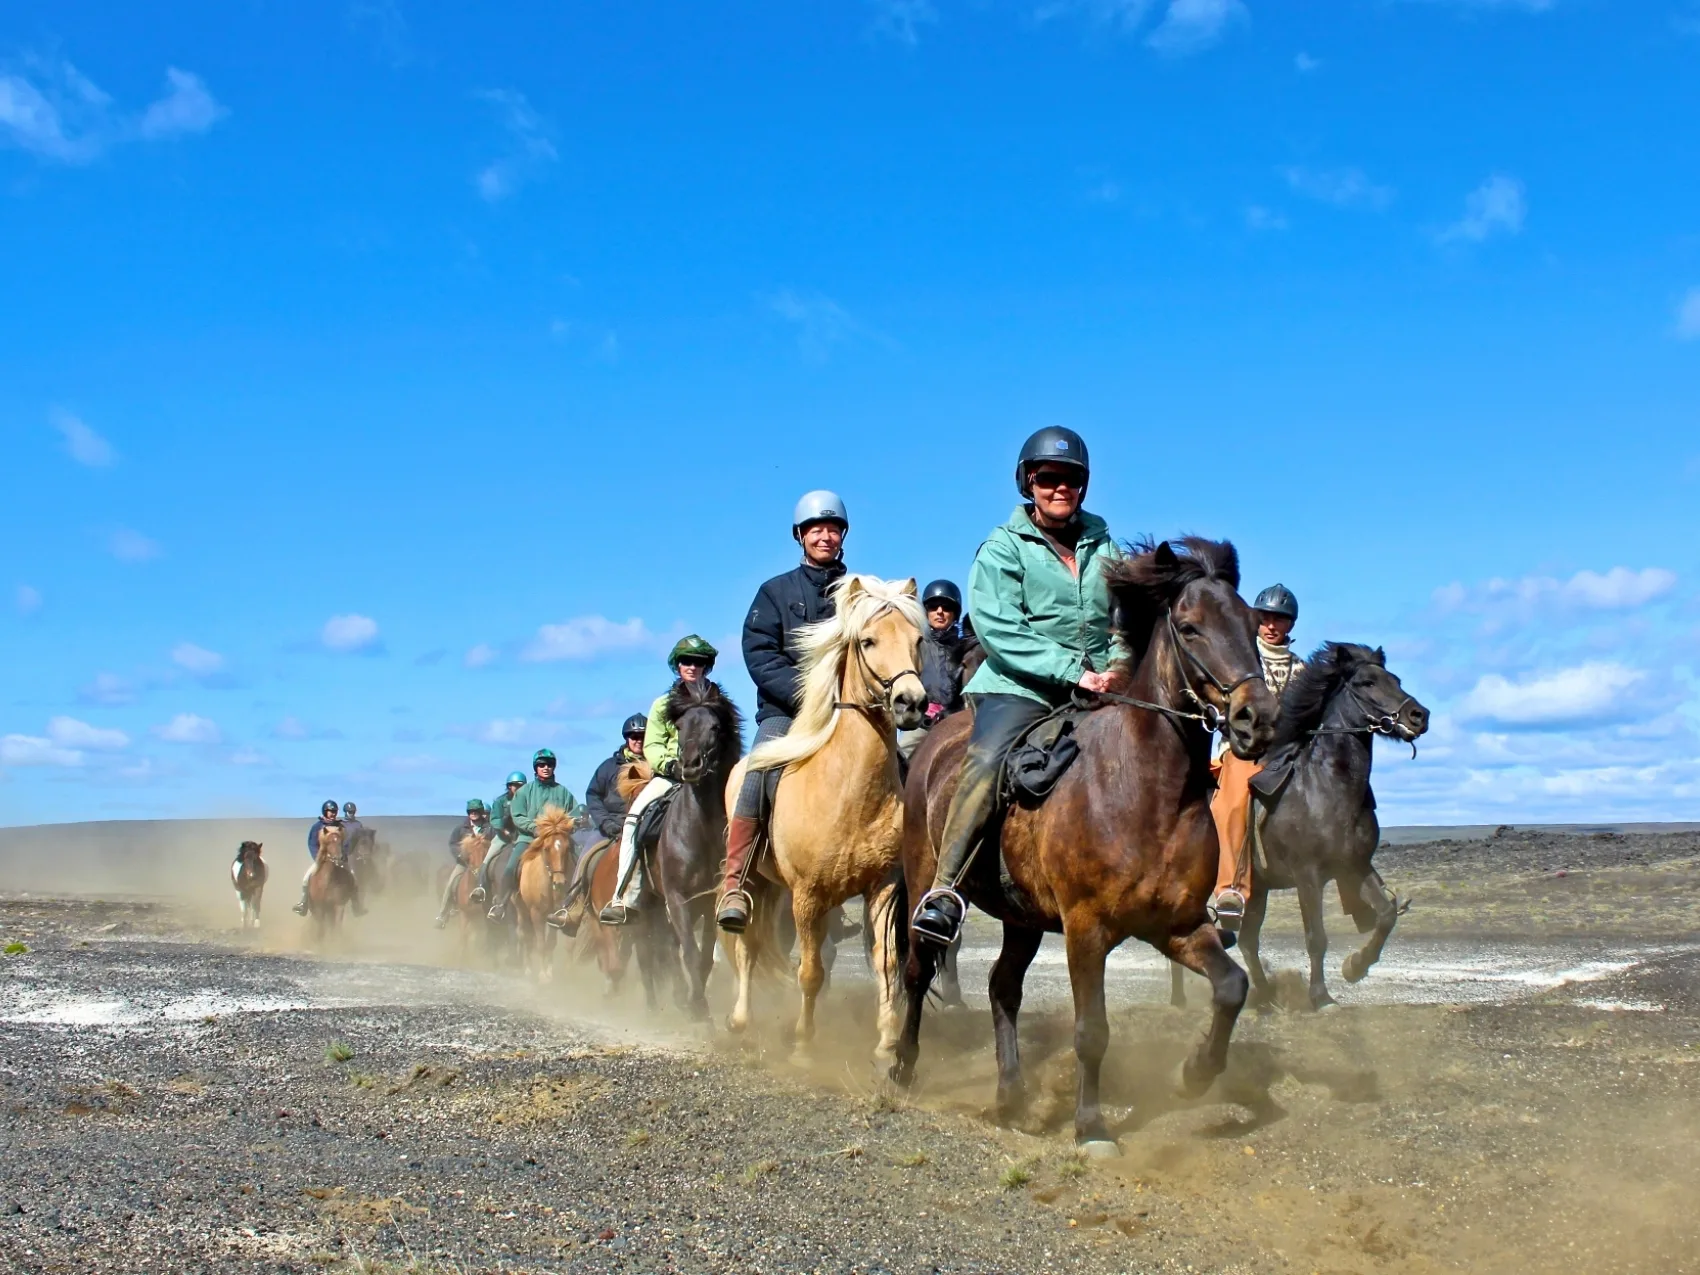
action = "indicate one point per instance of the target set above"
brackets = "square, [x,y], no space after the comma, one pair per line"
[555,837]
[710,731]
[882,624]
[249,854]
[1346,688]
[330,844]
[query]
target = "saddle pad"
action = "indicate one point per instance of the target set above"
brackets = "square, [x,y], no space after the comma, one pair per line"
[650,818]
[1036,764]
[1277,770]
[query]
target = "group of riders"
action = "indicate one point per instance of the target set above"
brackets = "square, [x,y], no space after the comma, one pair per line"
[1040,637]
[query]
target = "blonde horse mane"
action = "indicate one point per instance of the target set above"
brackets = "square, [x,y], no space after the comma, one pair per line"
[823,648]
[330,836]
[552,823]
[631,780]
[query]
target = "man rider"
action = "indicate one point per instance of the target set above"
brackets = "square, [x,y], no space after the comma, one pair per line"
[502,825]
[602,799]
[783,605]
[691,659]
[1277,610]
[528,803]
[1042,610]
[476,823]
[942,647]
[350,824]
[327,819]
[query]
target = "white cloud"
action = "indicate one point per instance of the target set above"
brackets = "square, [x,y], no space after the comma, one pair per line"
[249,757]
[1688,316]
[503,730]
[1619,589]
[387,25]
[68,732]
[54,111]
[1495,207]
[290,728]
[1342,187]
[586,637]
[1258,217]
[1127,15]
[85,446]
[32,750]
[901,20]
[189,728]
[530,147]
[132,546]
[821,322]
[196,659]
[187,107]
[108,688]
[350,632]
[480,655]
[1591,692]
[1190,26]
[1304,64]
[28,599]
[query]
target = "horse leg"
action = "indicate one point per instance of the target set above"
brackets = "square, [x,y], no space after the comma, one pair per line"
[917,978]
[1251,933]
[1202,952]
[878,916]
[1009,971]
[691,963]
[1177,985]
[744,952]
[811,971]
[1087,951]
[1373,891]
[1316,936]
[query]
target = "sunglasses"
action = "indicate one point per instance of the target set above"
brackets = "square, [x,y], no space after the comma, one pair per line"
[1051,479]
[692,662]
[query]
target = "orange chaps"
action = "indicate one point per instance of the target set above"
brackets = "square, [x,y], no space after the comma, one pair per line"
[1230,808]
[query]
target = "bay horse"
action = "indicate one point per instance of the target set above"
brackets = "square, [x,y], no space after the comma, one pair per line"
[681,885]
[1124,847]
[836,828]
[330,885]
[248,874]
[543,870]
[595,882]
[474,847]
[1321,826]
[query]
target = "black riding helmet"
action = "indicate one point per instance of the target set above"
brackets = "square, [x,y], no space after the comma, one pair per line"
[636,724]
[941,591]
[329,808]
[1058,445]
[1277,599]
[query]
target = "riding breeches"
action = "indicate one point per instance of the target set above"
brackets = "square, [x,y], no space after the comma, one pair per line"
[1231,809]
[629,882]
[999,722]
[495,864]
[748,805]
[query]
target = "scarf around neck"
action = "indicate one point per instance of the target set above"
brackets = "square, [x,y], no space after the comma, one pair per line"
[1278,664]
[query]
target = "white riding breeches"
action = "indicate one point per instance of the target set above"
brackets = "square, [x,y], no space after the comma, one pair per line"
[633,881]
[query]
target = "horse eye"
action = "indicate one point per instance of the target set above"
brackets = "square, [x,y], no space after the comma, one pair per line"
[1188,630]
[867,644]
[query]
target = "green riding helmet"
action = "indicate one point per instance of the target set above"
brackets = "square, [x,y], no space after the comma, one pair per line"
[516,777]
[542,755]
[692,647]
[475,806]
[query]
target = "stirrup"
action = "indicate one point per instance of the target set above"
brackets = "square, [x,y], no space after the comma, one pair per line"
[1227,909]
[497,912]
[560,920]
[735,910]
[478,895]
[442,922]
[300,909]
[933,923]
[616,913]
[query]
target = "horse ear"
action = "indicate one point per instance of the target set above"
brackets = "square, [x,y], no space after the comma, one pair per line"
[910,588]
[1165,554]
[854,588]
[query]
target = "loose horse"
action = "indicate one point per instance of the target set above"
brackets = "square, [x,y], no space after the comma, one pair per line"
[543,870]
[330,885]
[248,874]
[688,853]
[1124,847]
[836,829]
[1320,826]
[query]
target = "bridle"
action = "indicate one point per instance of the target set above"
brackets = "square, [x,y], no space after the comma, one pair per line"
[1212,718]
[883,703]
[1387,724]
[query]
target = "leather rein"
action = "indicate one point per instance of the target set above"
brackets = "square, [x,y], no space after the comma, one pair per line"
[1387,724]
[883,704]
[1211,717]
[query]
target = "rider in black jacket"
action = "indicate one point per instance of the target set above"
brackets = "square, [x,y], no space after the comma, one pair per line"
[607,807]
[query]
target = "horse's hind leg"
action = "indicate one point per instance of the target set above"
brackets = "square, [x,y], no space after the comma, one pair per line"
[1316,936]
[1020,946]
[1374,894]
[882,959]
[1202,952]
[1088,948]
[1251,934]
[744,952]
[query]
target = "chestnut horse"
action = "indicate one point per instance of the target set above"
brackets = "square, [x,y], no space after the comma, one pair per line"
[1124,847]
[331,884]
[543,869]
[248,874]
[837,824]
[474,846]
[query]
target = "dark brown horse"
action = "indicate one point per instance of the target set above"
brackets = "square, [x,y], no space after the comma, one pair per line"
[1125,846]
[248,874]
[330,886]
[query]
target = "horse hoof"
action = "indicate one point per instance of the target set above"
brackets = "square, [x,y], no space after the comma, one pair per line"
[1193,1080]
[900,1075]
[1354,970]
[1319,1003]
[1099,1148]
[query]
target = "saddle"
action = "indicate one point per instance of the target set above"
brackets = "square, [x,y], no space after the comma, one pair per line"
[1032,769]
[650,817]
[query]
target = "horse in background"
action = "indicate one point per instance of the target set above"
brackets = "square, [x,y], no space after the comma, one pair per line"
[331,885]
[543,870]
[594,886]
[365,860]
[474,846]
[836,828]
[248,874]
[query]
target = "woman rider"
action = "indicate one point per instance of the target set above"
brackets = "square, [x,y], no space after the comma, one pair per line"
[1041,609]
[691,660]
[501,823]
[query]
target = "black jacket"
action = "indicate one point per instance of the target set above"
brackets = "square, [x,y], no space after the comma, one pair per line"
[607,809]
[782,606]
[465,828]
[941,667]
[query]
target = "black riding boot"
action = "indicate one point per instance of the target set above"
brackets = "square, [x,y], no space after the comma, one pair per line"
[999,721]
[508,884]
[496,857]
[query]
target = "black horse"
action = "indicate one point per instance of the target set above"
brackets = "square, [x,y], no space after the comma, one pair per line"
[366,859]
[1313,813]
[684,867]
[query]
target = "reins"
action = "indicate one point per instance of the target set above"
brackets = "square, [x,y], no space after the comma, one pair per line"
[1387,724]
[1209,716]
[883,704]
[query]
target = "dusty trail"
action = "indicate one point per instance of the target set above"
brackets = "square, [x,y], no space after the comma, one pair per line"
[1511,1090]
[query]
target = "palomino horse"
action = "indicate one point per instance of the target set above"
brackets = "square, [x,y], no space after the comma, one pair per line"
[543,870]
[1124,847]
[248,874]
[688,854]
[1321,825]
[330,885]
[836,828]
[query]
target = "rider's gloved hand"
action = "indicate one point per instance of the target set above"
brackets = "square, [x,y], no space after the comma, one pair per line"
[669,770]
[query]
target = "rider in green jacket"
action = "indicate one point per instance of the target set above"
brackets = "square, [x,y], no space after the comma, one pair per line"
[530,802]
[1041,608]
[501,824]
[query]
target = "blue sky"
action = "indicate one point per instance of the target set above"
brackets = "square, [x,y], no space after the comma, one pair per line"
[384,385]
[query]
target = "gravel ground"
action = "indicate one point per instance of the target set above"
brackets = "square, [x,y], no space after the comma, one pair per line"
[178,1098]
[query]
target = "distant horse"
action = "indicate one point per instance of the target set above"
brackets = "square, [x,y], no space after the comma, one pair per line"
[680,887]
[365,860]
[543,869]
[836,829]
[595,883]
[1320,825]
[248,874]
[330,885]
[1124,846]
[473,847]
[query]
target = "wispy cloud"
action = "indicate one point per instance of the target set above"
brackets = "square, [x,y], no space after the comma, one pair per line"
[189,728]
[1304,63]
[587,637]
[1688,316]
[108,688]
[294,729]
[250,757]
[1123,16]
[349,633]
[529,149]
[820,322]
[902,20]
[196,659]
[54,111]
[132,546]
[1619,589]
[36,750]
[385,23]
[27,598]
[1497,206]
[1191,26]
[480,655]
[1588,693]
[1258,217]
[84,445]
[69,732]
[1342,187]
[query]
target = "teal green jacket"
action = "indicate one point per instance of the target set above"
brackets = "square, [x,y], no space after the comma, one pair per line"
[1042,626]
[500,811]
[530,801]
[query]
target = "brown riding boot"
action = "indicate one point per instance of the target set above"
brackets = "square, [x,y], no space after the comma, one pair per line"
[1231,809]
[735,902]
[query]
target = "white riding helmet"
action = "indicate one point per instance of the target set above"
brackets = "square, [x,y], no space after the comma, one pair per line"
[818,506]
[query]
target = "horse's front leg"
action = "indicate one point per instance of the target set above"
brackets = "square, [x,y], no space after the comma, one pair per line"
[1202,952]
[918,972]
[1088,948]
[1251,934]
[681,917]
[810,917]
[1374,892]
[1009,972]
[744,952]
[881,921]
[1316,936]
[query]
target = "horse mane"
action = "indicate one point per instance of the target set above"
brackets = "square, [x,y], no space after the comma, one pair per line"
[554,822]
[822,650]
[631,779]
[1145,583]
[707,694]
[328,834]
[1306,698]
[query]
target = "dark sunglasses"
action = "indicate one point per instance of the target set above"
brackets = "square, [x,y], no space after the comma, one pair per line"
[1051,479]
[692,662]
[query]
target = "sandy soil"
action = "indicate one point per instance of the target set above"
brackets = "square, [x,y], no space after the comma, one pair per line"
[1511,1090]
